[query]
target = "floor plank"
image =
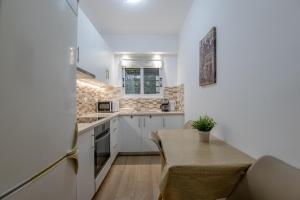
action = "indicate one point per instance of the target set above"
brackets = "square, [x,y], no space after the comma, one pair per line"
[131,178]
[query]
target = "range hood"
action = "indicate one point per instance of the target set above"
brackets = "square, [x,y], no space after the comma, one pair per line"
[83,74]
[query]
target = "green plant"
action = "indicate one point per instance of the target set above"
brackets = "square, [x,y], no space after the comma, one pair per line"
[204,124]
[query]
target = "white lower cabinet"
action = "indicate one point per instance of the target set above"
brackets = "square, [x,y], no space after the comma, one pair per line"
[114,138]
[135,131]
[130,132]
[85,176]
[173,121]
[150,124]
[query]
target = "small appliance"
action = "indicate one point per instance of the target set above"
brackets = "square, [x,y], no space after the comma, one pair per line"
[172,105]
[108,106]
[165,105]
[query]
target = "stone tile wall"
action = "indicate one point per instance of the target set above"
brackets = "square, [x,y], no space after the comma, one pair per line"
[89,92]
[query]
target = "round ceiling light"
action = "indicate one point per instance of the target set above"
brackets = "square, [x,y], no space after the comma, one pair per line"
[132,1]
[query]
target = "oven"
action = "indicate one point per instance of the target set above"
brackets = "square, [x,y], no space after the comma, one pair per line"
[102,146]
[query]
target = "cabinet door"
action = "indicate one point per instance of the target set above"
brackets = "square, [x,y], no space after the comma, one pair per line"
[85,177]
[150,124]
[95,55]
[173,121]
[130,133]
[114,145]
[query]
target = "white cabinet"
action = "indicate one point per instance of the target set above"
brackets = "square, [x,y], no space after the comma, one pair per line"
[114,137]
[94,55]
[135,131]
[173,121]
[130,131]
[85,177]
[150,124]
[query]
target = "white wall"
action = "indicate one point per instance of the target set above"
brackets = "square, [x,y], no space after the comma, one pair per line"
[143,43]
[95,55]
[169,71]
[256,100]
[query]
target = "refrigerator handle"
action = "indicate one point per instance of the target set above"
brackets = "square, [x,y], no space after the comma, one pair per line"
[73,156]
[75,137]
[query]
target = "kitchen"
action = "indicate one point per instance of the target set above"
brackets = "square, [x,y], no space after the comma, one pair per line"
[149,99]
[121,97]
[116,120]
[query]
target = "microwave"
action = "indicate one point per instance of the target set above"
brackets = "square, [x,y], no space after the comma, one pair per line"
[108,106]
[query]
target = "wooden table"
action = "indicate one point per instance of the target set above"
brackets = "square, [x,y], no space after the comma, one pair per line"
[197,170]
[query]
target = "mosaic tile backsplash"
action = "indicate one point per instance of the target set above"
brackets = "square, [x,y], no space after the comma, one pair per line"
[89,92]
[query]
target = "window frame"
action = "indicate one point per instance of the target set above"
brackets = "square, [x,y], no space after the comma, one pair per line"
[141,94]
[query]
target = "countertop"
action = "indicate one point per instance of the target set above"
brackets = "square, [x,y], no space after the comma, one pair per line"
[84,127]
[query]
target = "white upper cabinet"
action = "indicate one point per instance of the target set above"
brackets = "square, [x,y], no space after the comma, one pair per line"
[94,54]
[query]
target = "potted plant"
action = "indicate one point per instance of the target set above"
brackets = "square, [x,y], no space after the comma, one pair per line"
[204,125]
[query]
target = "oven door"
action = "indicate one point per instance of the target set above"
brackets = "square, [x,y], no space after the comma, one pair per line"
[102,150]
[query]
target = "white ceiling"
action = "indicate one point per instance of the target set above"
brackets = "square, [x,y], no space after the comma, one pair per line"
[148,17]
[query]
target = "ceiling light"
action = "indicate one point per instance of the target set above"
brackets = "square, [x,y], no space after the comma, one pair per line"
[132,1]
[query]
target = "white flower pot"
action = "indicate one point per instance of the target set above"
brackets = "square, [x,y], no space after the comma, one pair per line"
[204,136]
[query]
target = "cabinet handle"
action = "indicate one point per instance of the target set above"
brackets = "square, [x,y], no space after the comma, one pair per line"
[139,122]
[93,141]
[164,122]
[144,122]
[78,54]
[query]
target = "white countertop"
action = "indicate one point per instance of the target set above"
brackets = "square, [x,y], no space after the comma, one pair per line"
[84,127]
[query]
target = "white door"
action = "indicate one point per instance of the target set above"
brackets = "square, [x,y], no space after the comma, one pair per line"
[150,124]
[86,177]
[37,86]
[173,121]
[58,183]
[130,132]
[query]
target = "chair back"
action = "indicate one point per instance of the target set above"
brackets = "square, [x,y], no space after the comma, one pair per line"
[154,137]
[269,179]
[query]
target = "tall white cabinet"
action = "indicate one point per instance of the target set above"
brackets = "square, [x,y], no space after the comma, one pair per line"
[85,178]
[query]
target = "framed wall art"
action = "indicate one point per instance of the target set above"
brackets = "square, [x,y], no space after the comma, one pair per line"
[208,65]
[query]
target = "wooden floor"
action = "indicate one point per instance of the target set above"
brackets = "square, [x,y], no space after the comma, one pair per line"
[132,178]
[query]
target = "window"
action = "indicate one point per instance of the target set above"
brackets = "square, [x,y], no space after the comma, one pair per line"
[141,81]
[151,81]
[132,81]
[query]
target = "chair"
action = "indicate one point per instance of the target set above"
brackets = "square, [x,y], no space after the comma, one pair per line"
[269,179]
[154,137]
[188,124]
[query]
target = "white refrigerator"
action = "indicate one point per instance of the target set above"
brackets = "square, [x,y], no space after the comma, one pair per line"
[38,140]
